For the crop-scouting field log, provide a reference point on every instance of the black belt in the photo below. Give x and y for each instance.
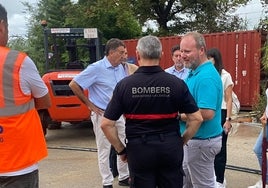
(148, 137)
(195, 138)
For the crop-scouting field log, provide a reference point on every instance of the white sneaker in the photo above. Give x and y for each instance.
(224, 182)
(220, 185)
(258, 185)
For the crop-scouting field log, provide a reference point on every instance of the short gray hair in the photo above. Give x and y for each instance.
(149, 47)
(199, 39)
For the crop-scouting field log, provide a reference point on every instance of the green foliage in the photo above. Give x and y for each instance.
(259, 107)
(180, 16)
(54, 12)
(214, 16)
(18, 43)
(114, 20)
(265, 57)
(262, 98)
(35, 36)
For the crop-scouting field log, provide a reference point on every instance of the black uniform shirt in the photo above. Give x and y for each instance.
(150, 99)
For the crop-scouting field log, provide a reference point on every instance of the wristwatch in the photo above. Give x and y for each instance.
(228, 119)
(124, 151)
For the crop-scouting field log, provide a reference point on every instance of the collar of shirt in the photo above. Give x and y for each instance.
(108, 65)
(179, 71)
(200, 67)
(149, 69)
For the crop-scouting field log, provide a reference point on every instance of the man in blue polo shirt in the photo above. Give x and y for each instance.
(205, 85)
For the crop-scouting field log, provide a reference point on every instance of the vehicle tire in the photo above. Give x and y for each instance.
(54, 125)
(45, 119)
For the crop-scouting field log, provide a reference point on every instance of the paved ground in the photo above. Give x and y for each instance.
(72, 160)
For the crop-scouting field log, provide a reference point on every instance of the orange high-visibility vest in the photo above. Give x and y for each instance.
(22, 142)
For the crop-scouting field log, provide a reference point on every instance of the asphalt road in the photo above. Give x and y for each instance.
(72, 159)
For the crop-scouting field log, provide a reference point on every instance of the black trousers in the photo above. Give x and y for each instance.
(221, 158)
(156, 161)
(113, 162)
(30, 180)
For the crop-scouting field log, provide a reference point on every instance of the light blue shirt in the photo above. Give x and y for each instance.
(100, 79)
(182, 74)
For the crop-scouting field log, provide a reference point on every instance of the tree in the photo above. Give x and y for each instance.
(210, 16)
(174, 16)
(112, 19)
(55, 12)
(260, 106)
(263, 23)
(18, 43)
(35, 36)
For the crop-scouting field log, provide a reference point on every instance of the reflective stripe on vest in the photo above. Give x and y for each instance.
(13, 101)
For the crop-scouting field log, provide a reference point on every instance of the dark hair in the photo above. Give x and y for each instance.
(175, 48)
(216, 54)
(113, 44)
(3, 13)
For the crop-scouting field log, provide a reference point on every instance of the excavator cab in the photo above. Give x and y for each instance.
(67, 52)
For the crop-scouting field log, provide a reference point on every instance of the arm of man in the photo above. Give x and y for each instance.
(42, 102)
(193, 122)
(228, 99)
(32, 84)
(263, 118)
(78, 91)
(207, 114)
(110, 131)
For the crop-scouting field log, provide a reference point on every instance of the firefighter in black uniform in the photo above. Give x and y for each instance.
(150, 99)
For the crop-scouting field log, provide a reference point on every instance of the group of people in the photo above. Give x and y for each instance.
(151, 129)
(166, 132)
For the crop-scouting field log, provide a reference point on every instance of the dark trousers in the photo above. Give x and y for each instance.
(156, 161)
(30, 180)
(221, 158)
(113, 161)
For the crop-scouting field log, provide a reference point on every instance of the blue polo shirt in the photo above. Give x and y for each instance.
(100, 79)
(205, 86)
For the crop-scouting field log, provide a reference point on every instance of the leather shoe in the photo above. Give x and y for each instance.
(108, 186)
(124, 182)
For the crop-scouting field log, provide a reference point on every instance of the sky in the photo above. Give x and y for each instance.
(18, 20)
